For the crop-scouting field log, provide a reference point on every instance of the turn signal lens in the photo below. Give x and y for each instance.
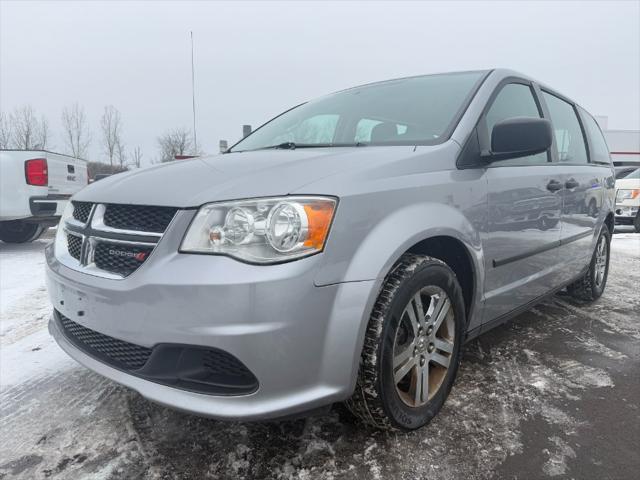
(319, 216)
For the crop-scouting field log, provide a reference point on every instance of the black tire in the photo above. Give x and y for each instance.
(589, 288)
(636, 223)
(17, 231)
(376, 400)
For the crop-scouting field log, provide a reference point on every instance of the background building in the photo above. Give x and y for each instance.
(624, 145)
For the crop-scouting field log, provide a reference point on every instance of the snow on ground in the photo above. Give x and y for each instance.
(552, 394)
(26, 350)
(627, 242)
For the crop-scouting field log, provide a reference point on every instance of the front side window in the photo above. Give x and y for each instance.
(515, 100)
(569, 139)
(600, 153)
(409, 111)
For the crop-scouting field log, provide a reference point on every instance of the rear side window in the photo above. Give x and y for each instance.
(569, 139)
(600, 150)
(515, 100)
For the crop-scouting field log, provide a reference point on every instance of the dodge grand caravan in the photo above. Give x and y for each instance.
(344, 251)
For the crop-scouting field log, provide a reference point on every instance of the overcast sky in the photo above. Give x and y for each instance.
(254, 60)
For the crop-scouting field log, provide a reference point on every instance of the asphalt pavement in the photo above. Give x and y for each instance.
(555, 393)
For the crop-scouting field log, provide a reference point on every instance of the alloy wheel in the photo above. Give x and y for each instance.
(423, 346)
(601, 260)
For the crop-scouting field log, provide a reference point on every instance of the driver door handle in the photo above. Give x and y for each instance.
(571, 183)
(554, 186)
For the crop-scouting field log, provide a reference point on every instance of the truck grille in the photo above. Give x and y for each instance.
(139, 217)
(74, 245)
(115, 352)
(81, 211)
(123, 259)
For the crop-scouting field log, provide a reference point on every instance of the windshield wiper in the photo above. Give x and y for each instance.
(293, 146)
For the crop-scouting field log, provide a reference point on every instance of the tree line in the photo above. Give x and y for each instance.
(23, 129)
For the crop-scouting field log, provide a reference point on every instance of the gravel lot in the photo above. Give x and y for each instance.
(554, 393)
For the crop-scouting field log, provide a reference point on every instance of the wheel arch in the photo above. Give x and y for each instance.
(609, 221)
(456, 255)
(439, 230)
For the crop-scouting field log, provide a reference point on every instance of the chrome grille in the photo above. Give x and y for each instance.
(120, 258)
(139, 217)
(81, 211)
(112, 240)
(74, 245)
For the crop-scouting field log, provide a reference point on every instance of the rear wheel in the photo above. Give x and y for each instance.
(412, 346)
(591, 286)
(17, 231)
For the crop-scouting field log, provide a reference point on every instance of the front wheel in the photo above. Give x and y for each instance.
(17, 231)
(636, 223)
(591, 286)
(412, 346)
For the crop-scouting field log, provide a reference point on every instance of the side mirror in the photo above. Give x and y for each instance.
(519, 137)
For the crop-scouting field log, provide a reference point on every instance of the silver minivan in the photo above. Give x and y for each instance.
(344, 251)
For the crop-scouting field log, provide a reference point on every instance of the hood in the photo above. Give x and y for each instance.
(191, 183)
(627, 183)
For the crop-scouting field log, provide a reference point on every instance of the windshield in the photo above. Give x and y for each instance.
(409, 111)
(623, 173)
(634, 174)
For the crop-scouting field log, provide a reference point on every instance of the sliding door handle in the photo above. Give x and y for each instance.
(571, 183)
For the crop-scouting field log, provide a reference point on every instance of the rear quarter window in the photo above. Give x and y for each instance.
(600, 150)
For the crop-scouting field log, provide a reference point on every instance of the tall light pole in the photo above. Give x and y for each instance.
(193, 98)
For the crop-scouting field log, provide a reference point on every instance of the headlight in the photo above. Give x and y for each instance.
(627, 194)
(60, 245)
(266, 230)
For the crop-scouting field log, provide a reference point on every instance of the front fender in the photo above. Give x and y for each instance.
(363, 252)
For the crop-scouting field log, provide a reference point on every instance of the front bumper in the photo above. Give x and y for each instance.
(301, 342)
(626, 213)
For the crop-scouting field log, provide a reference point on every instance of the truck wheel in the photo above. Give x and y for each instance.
(591, 285)
(17, 231)
(636, 222)
(412, 346)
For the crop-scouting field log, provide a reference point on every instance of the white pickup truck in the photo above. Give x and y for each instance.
(35, 186)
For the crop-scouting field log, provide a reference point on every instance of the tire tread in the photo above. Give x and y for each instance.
(365, 403)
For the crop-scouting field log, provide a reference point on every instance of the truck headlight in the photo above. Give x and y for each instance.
(627, 194)
(264, 230)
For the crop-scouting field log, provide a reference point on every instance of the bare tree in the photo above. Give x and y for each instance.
(43, 133)
(28, 132)
(121, 154)
(111, 126)
(76, 131)
(5, 131)
(175, 142)
(137, 157)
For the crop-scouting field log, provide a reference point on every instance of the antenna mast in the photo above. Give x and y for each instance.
(193, 98)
